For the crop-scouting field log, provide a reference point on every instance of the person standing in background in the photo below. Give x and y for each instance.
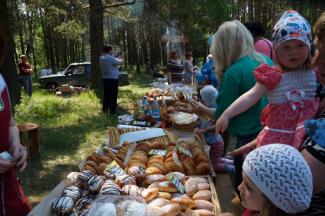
(46, 71)
(261, 44)
(109, 66)
(25, 74)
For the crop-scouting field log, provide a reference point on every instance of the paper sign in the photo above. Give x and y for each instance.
(175, 181)
(141, 135)
(157, 152)
(114, 169)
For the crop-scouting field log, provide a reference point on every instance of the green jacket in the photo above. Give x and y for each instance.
(238, 79)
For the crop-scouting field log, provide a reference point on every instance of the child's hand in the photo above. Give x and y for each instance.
(222, 123)
(199, 131)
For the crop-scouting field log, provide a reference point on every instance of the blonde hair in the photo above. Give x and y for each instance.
(231, 42)
(319, 27)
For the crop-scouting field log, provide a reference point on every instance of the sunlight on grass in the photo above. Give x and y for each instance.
(70, 129)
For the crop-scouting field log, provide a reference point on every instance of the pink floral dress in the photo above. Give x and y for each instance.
(292, 100)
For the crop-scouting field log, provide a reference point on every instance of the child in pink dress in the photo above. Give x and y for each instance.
(290, 86)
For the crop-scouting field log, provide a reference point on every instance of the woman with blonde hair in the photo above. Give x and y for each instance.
(236, 59)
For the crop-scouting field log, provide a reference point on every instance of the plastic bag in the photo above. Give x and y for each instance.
(113, 205)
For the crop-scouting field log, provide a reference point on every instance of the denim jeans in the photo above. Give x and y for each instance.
(26, 82)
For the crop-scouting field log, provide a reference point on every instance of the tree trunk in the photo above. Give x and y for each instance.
(96, 40)
(9, 66)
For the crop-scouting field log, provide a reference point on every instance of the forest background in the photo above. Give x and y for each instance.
(59, 32)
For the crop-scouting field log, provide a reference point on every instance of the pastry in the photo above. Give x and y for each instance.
(158, 202)
(164, 195)
(72, 192)
(85, 175)
(183, 202)
(167, 186)
(157, 146)
(203, 204)
(179, 195)
(94, 184)
(202, 168)
(89, 168)
(191, 185)
(204, 212)
(203, 186)
(63, 205)
(138, 173)
(202, 195)
(143, 146)
(154, 178)
(172, 209)
(132, 190)
(83, 205)
(149, 194)
(122, 180)
(109, 187)
(100, 169)
(155, 211)
(153, 170)
(154, 185)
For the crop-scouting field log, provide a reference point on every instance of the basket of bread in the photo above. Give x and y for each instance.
(182, 120)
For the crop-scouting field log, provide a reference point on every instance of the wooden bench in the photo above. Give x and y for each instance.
(33, 142)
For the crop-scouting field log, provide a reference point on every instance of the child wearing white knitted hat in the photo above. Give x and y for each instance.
(276, 181)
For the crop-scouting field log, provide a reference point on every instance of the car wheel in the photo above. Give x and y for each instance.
(52, 86)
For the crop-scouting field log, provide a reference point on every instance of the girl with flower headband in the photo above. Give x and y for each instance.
(290, 86)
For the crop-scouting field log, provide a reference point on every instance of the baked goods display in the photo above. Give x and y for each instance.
(156, 173)
(182, 120)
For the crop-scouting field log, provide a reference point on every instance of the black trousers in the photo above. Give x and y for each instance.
(110, 87)
(239, 160)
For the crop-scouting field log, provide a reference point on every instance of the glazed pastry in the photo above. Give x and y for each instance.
(183, 202)
(122, 180)
(167, 186)
(172, 209)
(153, 170)
(203, 204)
(63, 205)
(155, 178)
(150, 193)
(164, 195)
(202, 168)
(138, 173)
(204, 212)
(85, 175)
(94, 184)
(100, 169)
(203, 186)
(202, 195)
(155, 211)
(109, 187)
(158, 202)
(132, 190)
(191, 185)
(83, 205)
(179, 195)
(72, 192)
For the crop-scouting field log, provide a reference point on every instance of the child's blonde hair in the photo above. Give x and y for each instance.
(231, 42)
(319, 27)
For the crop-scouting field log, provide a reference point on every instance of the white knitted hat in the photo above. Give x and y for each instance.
(280, 172)
(209, 95)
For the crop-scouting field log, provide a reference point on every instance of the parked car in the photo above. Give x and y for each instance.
(76, 74)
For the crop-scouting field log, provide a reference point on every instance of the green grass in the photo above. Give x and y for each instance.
(70, 129)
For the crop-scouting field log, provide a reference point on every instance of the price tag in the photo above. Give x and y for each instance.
(175, 181)
(184, 151)
(157, 152)
(115, 169)
(175, 158)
